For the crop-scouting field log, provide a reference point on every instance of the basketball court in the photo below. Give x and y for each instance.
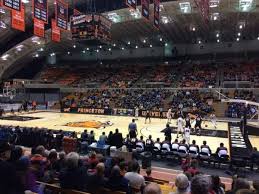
(105, 123)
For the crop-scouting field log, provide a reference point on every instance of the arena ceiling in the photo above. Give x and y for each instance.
(181, 22)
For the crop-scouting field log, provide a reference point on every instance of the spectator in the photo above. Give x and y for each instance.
(72, 177)
(200, 184)
(152, 188)
(109, 139)
(117, 139)
(216, 185)
(238, 183)
(84, 135)
(91, 138)
(9, 182)
(148, 177)
(182, 184)
(103, 137)
(193, 169)
(96, 180)
(116, 181)
(136, 181)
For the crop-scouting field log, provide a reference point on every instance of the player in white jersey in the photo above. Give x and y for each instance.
(180, 125)
(136, 113)
(187, 134)
(213, 120)
(169, 115)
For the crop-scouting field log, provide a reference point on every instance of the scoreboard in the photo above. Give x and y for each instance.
(90, 27)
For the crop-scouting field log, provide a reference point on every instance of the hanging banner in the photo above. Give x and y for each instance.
(62, 15)
(18, 19)
(203, 6)
(132, 3)
(39, 27)
(145, 8)
(13, 4)
(156, 13)
(55, 32)
(40, 10)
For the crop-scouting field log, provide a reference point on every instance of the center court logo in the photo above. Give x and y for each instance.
(89, 124)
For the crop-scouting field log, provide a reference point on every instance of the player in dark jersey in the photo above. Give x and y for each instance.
(148, 117)
(197, 126)
(188, 122)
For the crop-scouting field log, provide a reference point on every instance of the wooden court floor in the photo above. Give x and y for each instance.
(56, 120)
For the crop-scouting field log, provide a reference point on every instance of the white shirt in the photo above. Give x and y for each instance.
(165, 145)
(157, 145)
(169, 113)
(205, 150)
(222, 152)
(182, 148)
(187, 132)
(194, 149)
(175, 146)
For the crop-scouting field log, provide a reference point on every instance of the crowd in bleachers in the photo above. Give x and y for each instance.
(199, 76)
(236, 110)
(192, 100)
(47, 162)
(239, 72)
(153, 99)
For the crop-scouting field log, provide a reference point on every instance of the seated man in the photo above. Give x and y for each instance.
(221, 150)
(194, 147)
(175, 145)
(140, 144)
(166, 144)
(205, 148)
(157, 144)
(149, 143)
(183, 146)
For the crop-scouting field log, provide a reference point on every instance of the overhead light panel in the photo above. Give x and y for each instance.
(185, 7)
(19, 47)
(2, 11)
(214, 3)
(214, 16)
(135, 13)
(2, 25)
(4, 57)
(245, 5)
(114, 17)
(25, 1)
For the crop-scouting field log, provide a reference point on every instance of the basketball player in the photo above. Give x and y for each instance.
(197, 126)
(187, 134)
(169, 115)
(136, 113)
(180, 124)
(148, 116)
(213, 120)
(188, 122)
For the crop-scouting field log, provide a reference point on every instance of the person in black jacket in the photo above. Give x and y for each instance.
(168, 133)
(117, 139)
